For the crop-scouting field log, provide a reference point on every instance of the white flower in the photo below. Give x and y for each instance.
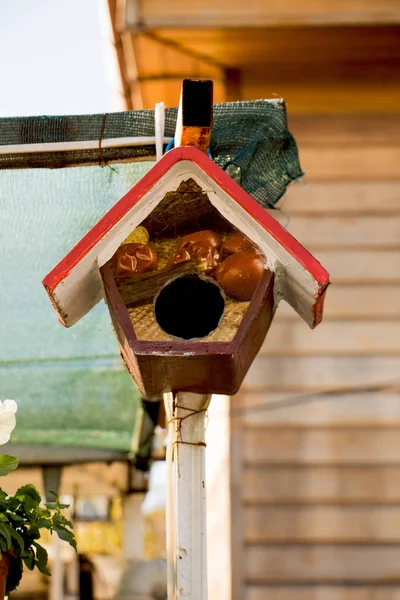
(8, 408)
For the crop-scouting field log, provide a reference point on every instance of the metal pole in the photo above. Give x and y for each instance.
(187, 549)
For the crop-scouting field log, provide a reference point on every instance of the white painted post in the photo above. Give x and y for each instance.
(133, 528)
(186, 544)
(57, 571)
(219, 564)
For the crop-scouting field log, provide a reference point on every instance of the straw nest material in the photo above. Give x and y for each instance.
(147, 328)
(181, 211)
(143, 318)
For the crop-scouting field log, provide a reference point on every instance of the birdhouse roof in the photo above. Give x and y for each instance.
(75, 285)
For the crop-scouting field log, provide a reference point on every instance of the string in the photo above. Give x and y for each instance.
(103, 126)
(102, 161)
(178, 420)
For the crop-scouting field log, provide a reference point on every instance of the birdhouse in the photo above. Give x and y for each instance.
(192, 270)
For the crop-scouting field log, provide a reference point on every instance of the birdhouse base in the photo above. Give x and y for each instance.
(210, 367)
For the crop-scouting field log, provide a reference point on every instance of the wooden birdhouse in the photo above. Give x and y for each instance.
(192, 269)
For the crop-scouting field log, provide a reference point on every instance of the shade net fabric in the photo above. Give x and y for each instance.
(70, 384)
(250, 140)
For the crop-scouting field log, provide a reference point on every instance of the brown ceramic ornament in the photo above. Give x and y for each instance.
(131, 259)
(236, 242)
(202, 247)
(203, 237)
(240, 274)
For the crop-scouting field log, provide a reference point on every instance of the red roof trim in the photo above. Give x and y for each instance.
(124, 205)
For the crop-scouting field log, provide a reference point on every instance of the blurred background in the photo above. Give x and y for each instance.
(314, 448)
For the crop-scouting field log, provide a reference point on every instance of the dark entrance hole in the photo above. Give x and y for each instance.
(189, 307)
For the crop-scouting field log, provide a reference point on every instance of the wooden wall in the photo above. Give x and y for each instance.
(316, 478)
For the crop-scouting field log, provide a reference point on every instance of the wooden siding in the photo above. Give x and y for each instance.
(258, 13)
(319, 514)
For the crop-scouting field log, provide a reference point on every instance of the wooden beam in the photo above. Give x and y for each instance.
(233, 78)
(347, 231)
(322, 524)
(342, 130)
(362, 95)
(336, 338)
(369, 267)
(355, 198)
(338, 485)
(297, 374)
(321, 446)
(289, 49)
(131, 70)
(351, 410)
(357, 303)
(112, 6)
(160, 67)
(321, 564)
(327, 592)
(258, 13)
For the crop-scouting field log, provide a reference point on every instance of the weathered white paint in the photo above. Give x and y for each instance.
(57, 571)
(219, 567)
(120, 142)
(187, 411)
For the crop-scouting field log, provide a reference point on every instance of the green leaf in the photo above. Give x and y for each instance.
(29, 496)
(29, 558)
(15, 518)
(5, 532)
(29, 491)
(44, 524)
(66, 536)
(42, 558)
(8, 464)
(62, 521)
(18, 538)
(34, 532)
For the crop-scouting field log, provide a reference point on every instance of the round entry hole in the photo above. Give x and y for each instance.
(189, 307)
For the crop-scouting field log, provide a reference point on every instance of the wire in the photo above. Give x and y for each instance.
(169, 145)
(307, 398)
(172, 142)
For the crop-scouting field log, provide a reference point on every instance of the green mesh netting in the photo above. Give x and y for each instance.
(250, 140)
(70, 384)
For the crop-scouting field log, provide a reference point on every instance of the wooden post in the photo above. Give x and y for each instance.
(133, 528)
(56, 591)
(186, 412)
(195, 115)
(186, 522)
